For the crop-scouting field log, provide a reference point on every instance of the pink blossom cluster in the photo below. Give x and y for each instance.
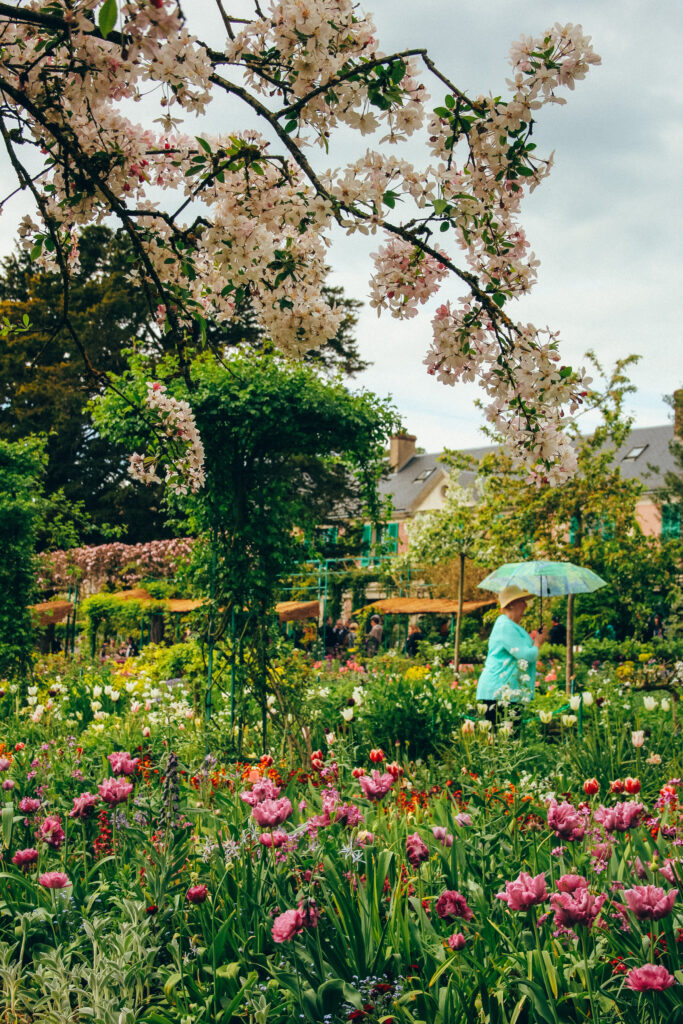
(112, 564)
(225, 218)
(175, 421)
(566, 821)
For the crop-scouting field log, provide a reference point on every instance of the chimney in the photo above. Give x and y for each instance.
(678, 415)
(401, 450)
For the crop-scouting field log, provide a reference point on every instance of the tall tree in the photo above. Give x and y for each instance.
(45, 384)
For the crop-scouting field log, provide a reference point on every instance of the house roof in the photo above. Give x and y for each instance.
(645, 456)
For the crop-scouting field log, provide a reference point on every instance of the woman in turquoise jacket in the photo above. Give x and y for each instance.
(509, 675)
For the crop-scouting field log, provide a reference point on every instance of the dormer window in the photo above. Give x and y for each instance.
(635, 452)
(423, 476)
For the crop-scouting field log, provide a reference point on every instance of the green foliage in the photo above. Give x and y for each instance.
(22, 468)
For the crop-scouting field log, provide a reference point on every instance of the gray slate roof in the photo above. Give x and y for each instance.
(409, 486)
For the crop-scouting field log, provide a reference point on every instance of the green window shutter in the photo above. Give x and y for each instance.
(573, 529)
(331, 534)
(671, 522)
(392, 538)
(365, 545)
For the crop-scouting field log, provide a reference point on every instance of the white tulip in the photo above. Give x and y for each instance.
(666, 704)
(568, 720)
(587, 699)
(649, 703)
(546, 717)
(575, 701)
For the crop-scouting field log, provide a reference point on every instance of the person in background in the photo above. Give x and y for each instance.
(352, 636)
(558, 632)
(340, 632)
(657, 627)
(509, 674)
(373, 639)
(328, 637)
(413, 639)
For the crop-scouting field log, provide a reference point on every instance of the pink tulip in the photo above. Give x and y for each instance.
(22, 858)
(287, 925)
(115, 791)
(453, 904)
(197, 893)
(525, 892)
(570, 883)
(83, 805)
(416, 850)
(375, 785)
(29, 804)
(54, 880)
(122, 763)
(272, 812)
(274, 839)
(444, 837)
(51, 831)
(264, 789)
(577, 907)
(5, 763)
(8, 783)
(620, 818)
(566, 821)
(649, 902)
(650, 978)
(457, 941)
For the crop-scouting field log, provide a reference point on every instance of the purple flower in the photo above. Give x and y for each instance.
(566, 821)
(416, 850)
(453, 904)
(376, 785)
(444, 837)
(525, 892)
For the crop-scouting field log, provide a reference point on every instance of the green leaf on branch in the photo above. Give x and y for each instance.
(106, 19)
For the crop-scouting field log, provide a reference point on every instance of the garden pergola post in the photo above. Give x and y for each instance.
(569, 667)
(458, 620)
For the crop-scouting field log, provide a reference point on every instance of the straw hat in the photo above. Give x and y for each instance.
(512, 593)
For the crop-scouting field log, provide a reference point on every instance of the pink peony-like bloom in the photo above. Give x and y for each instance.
(8, 783)
(376, 785)
(463, 819)
(54, 880)
(453, 904)
(416, 850)
(287, 925)
(525, 892)
(22, 858)
(272, 812)
(649, 902)
(51, 831)
(577, 907)
(122, 763)
(115, 791)
(197, 893)
(274, 839)
(83, 805)
(29, 804)
(456, 941)
(264, 789)
(671, 869)
(570, 883)
(566, 821)
(5, 763)
(620, 818)
(650, 978)
(444, 837)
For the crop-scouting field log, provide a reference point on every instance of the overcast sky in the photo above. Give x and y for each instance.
(606, 224)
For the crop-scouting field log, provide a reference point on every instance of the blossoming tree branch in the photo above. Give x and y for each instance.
(242, 219)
